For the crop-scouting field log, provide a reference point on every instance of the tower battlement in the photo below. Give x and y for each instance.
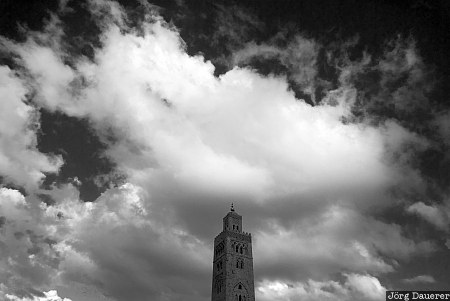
(235, 234)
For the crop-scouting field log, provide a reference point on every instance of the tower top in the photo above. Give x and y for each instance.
(232, 221)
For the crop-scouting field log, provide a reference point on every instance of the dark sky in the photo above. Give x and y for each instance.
(127, 128)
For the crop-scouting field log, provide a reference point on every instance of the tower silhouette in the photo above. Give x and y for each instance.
(233, 262)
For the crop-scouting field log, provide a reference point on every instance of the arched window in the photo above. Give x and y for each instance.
(240, 298)
(219, 265)
(237, 264)
(241, 250)
(240, 287)
(242, 264)
(218, 286)
(237, 248)
(219, 248)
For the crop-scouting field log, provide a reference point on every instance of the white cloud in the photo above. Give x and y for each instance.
(20, 162)
(356, 287)
(299, 57)
(107, 12)
(117, 244)
(340, 238)
(241, 132)
(368, 286)
(420, 279)
(439, 216)
(48, 296)
(29, 259)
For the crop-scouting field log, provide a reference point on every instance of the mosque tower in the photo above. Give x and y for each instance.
(233, 262)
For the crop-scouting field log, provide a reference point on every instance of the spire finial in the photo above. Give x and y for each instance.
(232, 207)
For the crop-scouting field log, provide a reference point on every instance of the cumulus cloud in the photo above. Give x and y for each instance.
(342, 238)
(48, 296)
(29, 257)
(72, 241)
(356, 287)
(20, 162)
(368, 286)
(149, 248)
(240, 131)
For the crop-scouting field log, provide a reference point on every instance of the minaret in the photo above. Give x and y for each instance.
(233, 262)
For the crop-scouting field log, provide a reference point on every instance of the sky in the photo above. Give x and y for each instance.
(128, 128)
